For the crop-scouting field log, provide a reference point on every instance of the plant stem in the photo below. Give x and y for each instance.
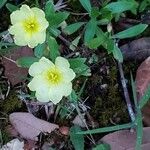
(126, 93)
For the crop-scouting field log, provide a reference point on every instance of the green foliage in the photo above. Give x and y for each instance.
(79, 66)
(86, 4)
(143, 5)
(11, 7)
(102, 147)
(39, 50)
(26, 62)
(76, 139)
(131, 32)
(2, 3)
(121, 6)
(73, 27)
(90, 30)
(53, 48)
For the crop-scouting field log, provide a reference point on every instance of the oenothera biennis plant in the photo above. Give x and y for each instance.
(51, 81)
(28, 26)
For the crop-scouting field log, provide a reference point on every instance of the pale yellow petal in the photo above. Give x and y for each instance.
(61, 62)
(36, 39)
(39, 67)
(17, 16)
(65, 88)
(38, 12)
(55, 95)
(68, 74)
(42, 94)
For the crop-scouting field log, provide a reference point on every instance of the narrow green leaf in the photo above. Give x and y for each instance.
(2, 3)
(53, 48)
(102, 147)
(139, 130)
(108, 129)
(54, 31)
(26, 62)
(11, 7)
(131, 32)
(117, 53)
(134, 91)
(77, 140)
(120, 6)
(86, 4)
(39, 50)
(73, 27)
(145, 98)
(90, 30)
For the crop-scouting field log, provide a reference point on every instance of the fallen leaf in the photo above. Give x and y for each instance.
(15, 144)
(142, 83)
(14, 73)
(28, 126)
(125, 139)
(137, 49)
(143, 77)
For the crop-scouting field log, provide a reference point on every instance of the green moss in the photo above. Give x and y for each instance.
(107, 104)
(11, 103)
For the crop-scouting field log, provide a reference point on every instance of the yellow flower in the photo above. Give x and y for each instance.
(28, 26)
(51, 81)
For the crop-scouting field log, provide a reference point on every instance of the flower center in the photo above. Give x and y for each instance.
(54, 76)
(31, 25)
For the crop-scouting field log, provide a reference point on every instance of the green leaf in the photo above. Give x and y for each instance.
(102, 147)
(134, 91)
(86, 4)
(96, 42)
(11, 7)
(90, 30)
(108, 129)
(131, 32)
(117, 53)
(26, 62)
(120, 6)
(73, 97)
(73, 27)
(49, 9)
(2, 3)
(39, 50)
(145, 98)
(53, 48)
(79, 66)
(57, 18)
(143, 5)
(77, 140)
(139, 130)
(75, 43)
(95, 12)
(54, 31)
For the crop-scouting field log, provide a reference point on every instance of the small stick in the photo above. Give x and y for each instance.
(126, 93)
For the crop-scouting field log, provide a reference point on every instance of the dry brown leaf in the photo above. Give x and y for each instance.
(125, 139)
(28, 126)
(143, 77)
(136, 50)
(14, 73)
(142, 83)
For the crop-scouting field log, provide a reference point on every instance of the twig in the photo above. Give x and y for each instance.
(9, 59)
(68, 43)
(126, 93)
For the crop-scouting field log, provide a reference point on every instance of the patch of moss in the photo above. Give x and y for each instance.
(107, 103)
(11, 103)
